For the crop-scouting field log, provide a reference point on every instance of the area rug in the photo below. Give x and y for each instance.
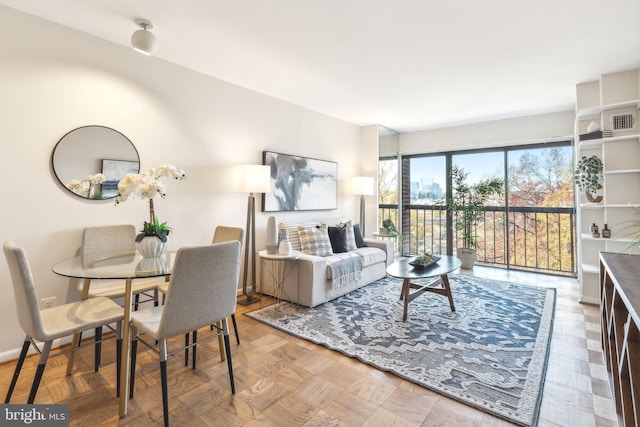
(491, 353)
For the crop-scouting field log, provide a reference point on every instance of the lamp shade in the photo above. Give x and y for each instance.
(362, 185)
(251, 179)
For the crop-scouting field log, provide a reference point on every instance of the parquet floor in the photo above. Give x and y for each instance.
(285, 381)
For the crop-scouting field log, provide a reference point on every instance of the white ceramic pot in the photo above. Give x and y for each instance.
(152, 247)
(284, 248)
(467, 258)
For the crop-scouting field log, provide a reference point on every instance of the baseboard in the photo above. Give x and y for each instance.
(9, 355)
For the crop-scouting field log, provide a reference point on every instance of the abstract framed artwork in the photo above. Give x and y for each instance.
(114, 171)
(300, 183)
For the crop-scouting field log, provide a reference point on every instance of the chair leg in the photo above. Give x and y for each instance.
(44, 356)
(163, 378)
(136, 301)
(16, 374)
(194, 339)
(235, 327)
(98, 349)
(186, 349)
(156, 298)
(134, 354)
(165, 392)
(118, 356)
(229, 364)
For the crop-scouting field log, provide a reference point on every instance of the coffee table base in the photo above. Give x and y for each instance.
(407, 296)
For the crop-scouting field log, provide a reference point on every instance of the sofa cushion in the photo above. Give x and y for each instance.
(358, 236)
(294, 237)
(351, 238)
(315, 241)
(338, 238)
(370, 256)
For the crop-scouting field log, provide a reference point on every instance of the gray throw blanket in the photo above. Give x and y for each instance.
(345, 271)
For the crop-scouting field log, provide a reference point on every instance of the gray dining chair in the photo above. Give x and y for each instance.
(103, 241)
(202, 292)
(56, 322)
(221, 234)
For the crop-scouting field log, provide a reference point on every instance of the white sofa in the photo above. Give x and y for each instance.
(308, 280)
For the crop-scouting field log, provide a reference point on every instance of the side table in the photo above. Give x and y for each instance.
(276, 265)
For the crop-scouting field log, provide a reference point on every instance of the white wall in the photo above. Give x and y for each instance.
(522, 130)
(54, 79)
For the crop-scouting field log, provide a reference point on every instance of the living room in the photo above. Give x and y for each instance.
(55, 79)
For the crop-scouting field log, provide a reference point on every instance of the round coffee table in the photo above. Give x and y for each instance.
(439, 271)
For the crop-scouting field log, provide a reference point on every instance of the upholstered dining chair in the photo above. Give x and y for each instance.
(102, 241)
(56, 322)
(202, 292)
(222, 233)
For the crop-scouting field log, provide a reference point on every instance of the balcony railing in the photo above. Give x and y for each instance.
(524, 238)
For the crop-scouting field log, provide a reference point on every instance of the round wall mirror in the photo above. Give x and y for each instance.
(84, 153)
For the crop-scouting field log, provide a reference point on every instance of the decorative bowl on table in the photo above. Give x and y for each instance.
(424, 261)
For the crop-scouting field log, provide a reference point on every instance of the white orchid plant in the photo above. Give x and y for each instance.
(87, 187)
(147, 185)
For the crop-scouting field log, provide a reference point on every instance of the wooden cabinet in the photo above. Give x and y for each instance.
(619, 308)
(600, 104)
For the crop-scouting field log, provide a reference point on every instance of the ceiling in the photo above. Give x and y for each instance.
(405, 64)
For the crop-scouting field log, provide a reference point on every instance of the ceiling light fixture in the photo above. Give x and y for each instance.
(142, 40)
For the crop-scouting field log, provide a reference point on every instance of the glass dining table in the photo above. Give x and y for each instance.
(127, 266)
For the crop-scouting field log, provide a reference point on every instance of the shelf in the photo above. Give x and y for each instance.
(621, 171)
(590, 269)
(592, 143)
(593, 112)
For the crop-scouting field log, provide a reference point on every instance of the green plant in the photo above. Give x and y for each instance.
(467, 203)
(159, 229)
(632, 228)
(588, 174)
(391, 228)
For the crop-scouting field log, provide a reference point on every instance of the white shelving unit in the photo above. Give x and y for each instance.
(596, 101)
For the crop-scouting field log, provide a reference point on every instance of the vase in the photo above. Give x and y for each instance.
(152, 247)
(283, 234)
(284, 248)
(272, 235)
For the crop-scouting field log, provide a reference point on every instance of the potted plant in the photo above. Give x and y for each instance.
(388, 225)
(152, 240)
(467, 205)
(588, 176)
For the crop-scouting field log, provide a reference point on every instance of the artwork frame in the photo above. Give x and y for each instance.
(113, 171)
(300, 183)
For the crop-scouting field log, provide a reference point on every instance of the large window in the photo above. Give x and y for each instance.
(531, 227)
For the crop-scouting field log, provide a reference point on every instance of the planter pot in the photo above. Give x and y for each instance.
(152, 247)
(467, 257)
(594, 198)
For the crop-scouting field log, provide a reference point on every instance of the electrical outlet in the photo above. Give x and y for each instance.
(48, 302)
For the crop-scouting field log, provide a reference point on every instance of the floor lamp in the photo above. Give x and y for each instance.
(251, 179)
(362, 186)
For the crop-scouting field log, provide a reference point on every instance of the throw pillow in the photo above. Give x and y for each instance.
(315, 241)
(358, 236)
(338, 238)
(351, 238)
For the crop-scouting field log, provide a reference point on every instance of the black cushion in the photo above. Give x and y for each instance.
(358, 234)
(338, 238)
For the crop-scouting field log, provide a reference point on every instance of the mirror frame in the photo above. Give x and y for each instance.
(73, 159)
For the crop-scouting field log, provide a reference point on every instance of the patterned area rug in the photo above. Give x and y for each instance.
(491, 353)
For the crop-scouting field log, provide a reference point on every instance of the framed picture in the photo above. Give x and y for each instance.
(300, 183)
(114, 171)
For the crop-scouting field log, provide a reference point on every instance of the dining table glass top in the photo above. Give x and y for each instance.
(124, 265)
